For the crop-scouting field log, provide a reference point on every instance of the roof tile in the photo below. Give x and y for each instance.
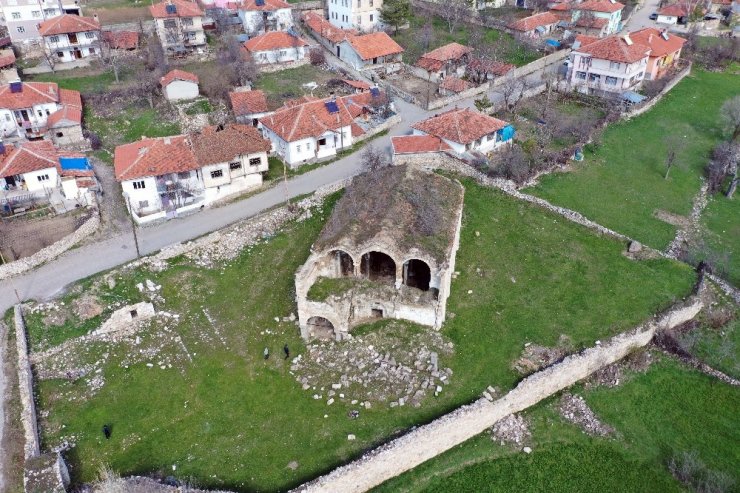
(417, 144)
(183, 8)
(463, 126)
(68, 23)
(248, 102)
(274, 40)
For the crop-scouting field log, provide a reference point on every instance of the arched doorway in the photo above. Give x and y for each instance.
(321, 328)
(345, 266)
(417, 274)
(378, 266)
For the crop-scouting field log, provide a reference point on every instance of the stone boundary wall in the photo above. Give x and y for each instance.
(31, 447)
(400, 93)
(676, 79)
(277, 67)
(469, 93)
(390, 122)
(428, 441)
(52, 251)
(537, 65)
(310, 5)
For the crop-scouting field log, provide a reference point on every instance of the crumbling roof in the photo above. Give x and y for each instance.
(592, 23)
(660, 42)
(674, 10)
(27, 157)
(615, 49)
(534, 21)
(7, 58)
(154, 157)
(121, 40)
(418, 144)
(183, 8)
(248, 102)
(66, 116)
(357, 84)
(307, 119)
(69, 97)
(435, 59)
(68, 23)
(325, 29)
(274, 40)
(218, 145)
(463, 126)
(407, 209)
(177, 74)
(456, 85)
(605, 6)
(584, 40)
(490, 66)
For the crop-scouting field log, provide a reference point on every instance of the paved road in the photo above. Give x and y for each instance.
(641, 17)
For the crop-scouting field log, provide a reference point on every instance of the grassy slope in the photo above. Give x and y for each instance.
(666, 411)
(622, 184)
(721, 221)
(246, 419)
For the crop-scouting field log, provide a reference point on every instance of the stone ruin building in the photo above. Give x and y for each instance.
(387, 251)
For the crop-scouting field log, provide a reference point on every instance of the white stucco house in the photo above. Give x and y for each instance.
(166, 176)
(259, 16)
(355, 14)
(309, 130)
(276, 47)
(466, 130)
(25, 108)
(178, 85)
(179, 25)
(22, 17)
(593, 17)
(71, 37)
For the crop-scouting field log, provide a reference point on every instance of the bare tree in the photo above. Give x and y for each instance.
(317, 56)
(115, 59)
(237, 63)
(146, 85)
(730, 115)
(513, 163)
(454, 12)
(676, 143)
(156, 57)
(512, 90)
(539, 5)
(373, 159)
(426, 36)
(724, 163)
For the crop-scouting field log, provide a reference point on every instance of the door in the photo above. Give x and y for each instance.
(77, 54)
(72, 38)
(24, 115)
(337, 51)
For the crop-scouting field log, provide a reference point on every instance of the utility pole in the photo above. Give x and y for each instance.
(10, 279)
(133, 225)
(285, 184)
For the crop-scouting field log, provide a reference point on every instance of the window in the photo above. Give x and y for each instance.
(371, 3)
(138, 185)
(184, 175)
(90, 35)
(53, 39)
(298, 148)
(21, 29)
(170, 24)
(41, 113)
(359, 4)
(143, 204)
(263, 56)
(187, 21)
(50, 12)
(613, 65)
(42, 177)
(612, 81)
(60, 54)
(217, 174)
(372, 18)
(36, 13)
(92, 51)
(283, 53)
(255, 161)
(16, 15)
(594, 77)
(236, 165)
(59, 134)
(7, 117)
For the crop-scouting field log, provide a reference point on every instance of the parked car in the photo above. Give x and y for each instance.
(654, 16)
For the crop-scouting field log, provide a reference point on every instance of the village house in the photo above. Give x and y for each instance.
(356, 86)
(179, 25)
(675, 13)
(593, 17)
(121, 40)
(328, 35)
(448, 60)
(665, 50)
(22, 17)
(404, 146)
(265, 15)
(609, 66)
(370, 51)
(25, 108)
(309, 130)
(166, 176)
(178, 85)
(71, 37)
(8, 69)
(481, 70)
(536, 25)
(276, 47)
(355, 14)
(248, 106)
(465, 130)
(454, 85)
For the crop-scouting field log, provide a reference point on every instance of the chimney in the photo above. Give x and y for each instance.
(167, 141)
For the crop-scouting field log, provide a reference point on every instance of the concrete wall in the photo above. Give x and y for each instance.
(70, 136)
(181, 89)
(282, 66)
(284, 55)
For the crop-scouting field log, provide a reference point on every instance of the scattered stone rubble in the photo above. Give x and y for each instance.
(378, 367)
(574, 409)
(535, 357)
(511, 430)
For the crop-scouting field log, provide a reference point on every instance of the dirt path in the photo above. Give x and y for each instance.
(690, 231)
(4, 457)
(114, 219)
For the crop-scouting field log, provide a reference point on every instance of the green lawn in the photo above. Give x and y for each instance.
(510, 50)
(86, 80)
(231, 419)
(721, 228)
(657, 415)
(288, 84)
(622, 184)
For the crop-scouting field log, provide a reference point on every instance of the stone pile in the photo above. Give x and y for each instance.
(574, 409)
(512, 430)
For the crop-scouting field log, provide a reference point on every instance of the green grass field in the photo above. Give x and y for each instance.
(664, 412)
(621, 185)
(288, 84)
(721, 228)
(231, 419)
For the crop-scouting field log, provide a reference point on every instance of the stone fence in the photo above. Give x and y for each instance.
(428, 441)
(468, 93)
(676, 79)
(52, 251)
(394, 120)
(277, 67)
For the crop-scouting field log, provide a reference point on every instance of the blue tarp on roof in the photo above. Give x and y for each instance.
(80, 163)
(506, 133)
(553, 42)
(633, 97)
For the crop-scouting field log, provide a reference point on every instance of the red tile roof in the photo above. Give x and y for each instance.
(615, 49)
(309, 119)
(373, 45)
(592, 23)
(418, 144)
(456, 85)
(653, 39)
(154, 157)
(177, 74)
(32, 93)
(534, 21)
(248, 102)
(451, 51)
(674, 10)
(121, 40)
(490, 66)
(357, 84)
(599, 6)
(561, 7)
(460, 125)
(356, 130)
(28, 157)
(274, 40)
(585, 39)
(64, 117)
(325, 29)
(68, 97)
(357, 103)
(68, 23)
(183, 8)
(213, 146)
(267, 5)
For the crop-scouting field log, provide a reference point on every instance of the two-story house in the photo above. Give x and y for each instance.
(165, 176)
(70, 37)
(463, 130)
(25, 108)
(355, 14)
(22, 17)
(665, 50)
(179, 25)
(276, 47)
(265, 15)
(594, 17)
(608, 66)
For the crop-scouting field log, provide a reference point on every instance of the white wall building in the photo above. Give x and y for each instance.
(466, 130)
(26, 106)
(259, 16)
(358, 14)
(276, 47)
(178, 85)
(610, 65)
(22, 17)
(71, 37)
(179, 25)
(370, 50)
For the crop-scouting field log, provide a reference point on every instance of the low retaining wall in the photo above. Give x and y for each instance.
(52, 251)
(535, 66)
(676, 79)
(277, 67)
(31, 447)
(441, 435)
(394, 120)
(469, 93)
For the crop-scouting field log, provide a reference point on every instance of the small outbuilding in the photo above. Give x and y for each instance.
(179, 85)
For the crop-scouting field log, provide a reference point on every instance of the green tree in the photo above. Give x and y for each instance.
(395, 13)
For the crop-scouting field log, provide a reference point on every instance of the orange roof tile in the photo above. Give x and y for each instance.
(32, 93)
(451, 51)
(592, 23)
(28, 157)
(177, 74)
(154, 157)
(69, 97)
(584, 39)
(183, 8)
(325, 29)
(64, 117)
(213, 145)
(418, 144)
(121, 40)
(309, 119)
(674, 10)
(248, 102)
(267, 5)
(274, 40)
(534, 21)
(357, 84)
(653, 39)
(68, 23)
(456, 85)
(561, 7)
(615, 49)
(605, 6)
(373, 45)
(460, 125)
(357, 103)
(356, 130)
(490, 66)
